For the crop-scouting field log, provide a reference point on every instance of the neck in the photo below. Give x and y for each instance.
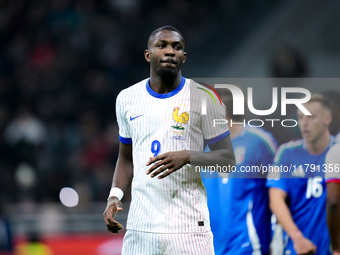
(235, 130)
(164, 85)
(320, 145)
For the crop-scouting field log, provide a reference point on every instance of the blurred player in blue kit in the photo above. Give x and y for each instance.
(239, 204)
(298, 197)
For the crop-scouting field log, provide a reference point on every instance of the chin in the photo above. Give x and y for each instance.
(168, 73)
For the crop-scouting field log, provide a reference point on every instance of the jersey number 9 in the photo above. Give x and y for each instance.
(155, 147)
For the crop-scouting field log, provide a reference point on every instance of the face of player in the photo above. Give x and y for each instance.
(312, 127)
(166, 53)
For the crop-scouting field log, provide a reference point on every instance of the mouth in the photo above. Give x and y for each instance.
(305, 133)
(169, 61)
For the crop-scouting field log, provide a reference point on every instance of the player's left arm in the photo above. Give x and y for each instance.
(221, 153)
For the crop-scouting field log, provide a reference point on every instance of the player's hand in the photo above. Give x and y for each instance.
(167, 163)
(112, 207)
(302, 245)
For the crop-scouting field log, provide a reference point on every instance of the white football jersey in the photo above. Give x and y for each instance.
(337, 138)
(158, 123)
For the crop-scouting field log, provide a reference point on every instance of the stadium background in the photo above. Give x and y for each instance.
(62, 63)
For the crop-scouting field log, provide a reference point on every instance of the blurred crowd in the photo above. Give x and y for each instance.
(62, 63)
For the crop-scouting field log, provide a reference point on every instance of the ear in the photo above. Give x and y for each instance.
(328, 118)
(185, 56)
(147, 55)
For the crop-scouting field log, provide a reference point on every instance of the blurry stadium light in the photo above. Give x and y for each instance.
(25, 175)
(68, 197)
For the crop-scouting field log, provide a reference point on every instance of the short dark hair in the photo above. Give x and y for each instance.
(168, 28)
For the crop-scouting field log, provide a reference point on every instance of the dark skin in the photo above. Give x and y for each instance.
(333, 212)
(121, 179)
(164, 164)
(165, 54)
(166, 51)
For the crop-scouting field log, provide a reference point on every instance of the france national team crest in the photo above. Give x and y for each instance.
(181, 120)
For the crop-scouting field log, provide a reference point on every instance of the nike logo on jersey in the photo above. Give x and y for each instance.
(132, 118)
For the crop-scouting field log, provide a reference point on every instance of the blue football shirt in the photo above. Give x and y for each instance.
(238, 206)
(305, 186)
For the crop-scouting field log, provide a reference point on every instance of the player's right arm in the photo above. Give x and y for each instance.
(333, 197)
(122, 179)
(278, 205)
(333, 212)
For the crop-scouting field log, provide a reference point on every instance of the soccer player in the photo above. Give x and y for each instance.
(239, 205)
(332, 176)
(298, 196)
(162, 131)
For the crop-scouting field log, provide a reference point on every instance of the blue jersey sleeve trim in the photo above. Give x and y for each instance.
(167, 95)
(218, 138)
(277, 187)
(125, 140)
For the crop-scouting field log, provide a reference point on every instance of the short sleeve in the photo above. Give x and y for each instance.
(213, 123)
(280, 183)
(274, 179)
(124, 128)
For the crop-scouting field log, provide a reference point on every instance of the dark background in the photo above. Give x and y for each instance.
(63, 62)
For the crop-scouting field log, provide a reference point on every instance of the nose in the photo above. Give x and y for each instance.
(169, 51)
(304, 122)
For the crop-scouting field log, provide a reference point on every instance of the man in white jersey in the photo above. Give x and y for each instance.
(333, 196)
(162, 131)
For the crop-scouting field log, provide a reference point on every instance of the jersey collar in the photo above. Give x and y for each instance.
(331, 143)
(167, 95)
